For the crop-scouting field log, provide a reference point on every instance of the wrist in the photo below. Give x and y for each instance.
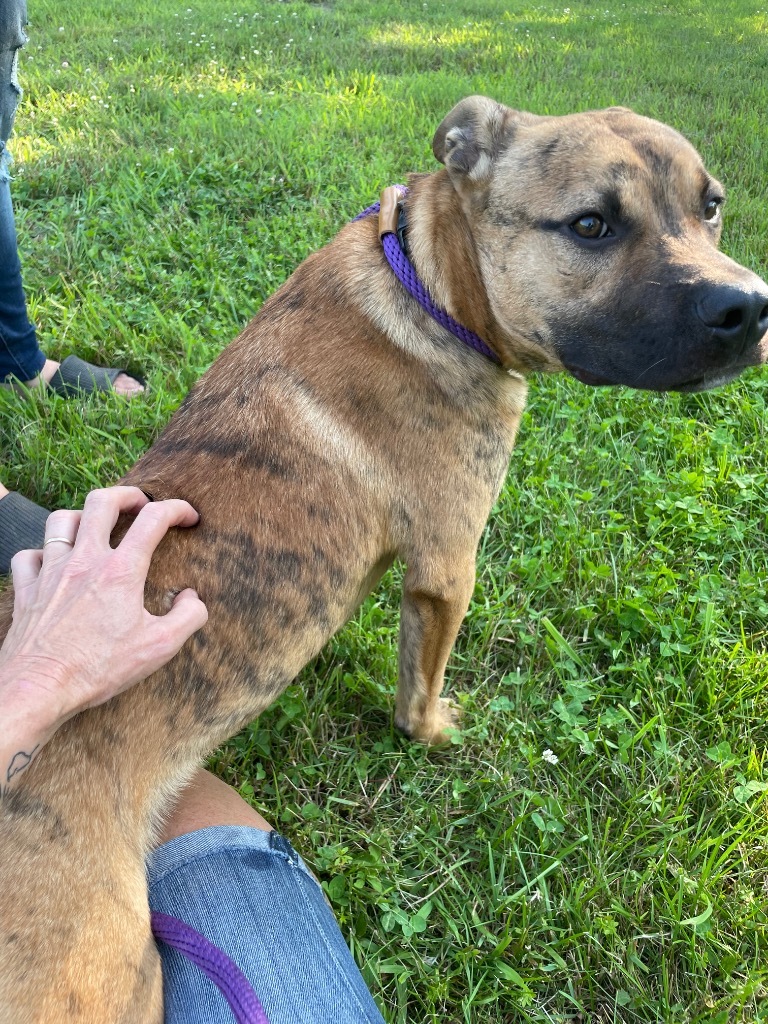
(31, 701)
(28, 718)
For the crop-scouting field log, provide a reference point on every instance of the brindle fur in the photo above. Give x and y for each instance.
(341, 430)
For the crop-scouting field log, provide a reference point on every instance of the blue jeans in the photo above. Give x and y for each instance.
(249, 893)
(20, 354)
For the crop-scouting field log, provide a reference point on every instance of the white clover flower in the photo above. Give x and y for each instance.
(550, 757)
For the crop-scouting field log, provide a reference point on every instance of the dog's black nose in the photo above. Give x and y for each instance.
(736, 314)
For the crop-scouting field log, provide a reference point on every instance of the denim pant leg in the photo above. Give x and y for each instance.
(20, 354)
(249, 893)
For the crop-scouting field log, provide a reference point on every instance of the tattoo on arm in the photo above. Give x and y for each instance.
(19, 762)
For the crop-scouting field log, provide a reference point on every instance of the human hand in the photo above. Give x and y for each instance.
(80, 631)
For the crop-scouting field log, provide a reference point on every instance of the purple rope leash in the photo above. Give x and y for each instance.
(406, 274)
(213, 962)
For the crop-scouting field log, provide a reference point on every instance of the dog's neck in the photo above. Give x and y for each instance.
(443, 252)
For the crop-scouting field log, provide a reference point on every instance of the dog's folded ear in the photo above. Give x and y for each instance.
(473, 135)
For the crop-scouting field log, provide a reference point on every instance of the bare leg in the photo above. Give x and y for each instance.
(208, 801)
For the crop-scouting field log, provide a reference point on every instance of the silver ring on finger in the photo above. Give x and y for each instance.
(61, 528)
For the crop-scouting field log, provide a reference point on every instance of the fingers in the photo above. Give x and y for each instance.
(187, 615)
(153, 520)
(25, 566)
(102, 509)
(150, 526)
(60, 532)
(61, 527)
(188, 611)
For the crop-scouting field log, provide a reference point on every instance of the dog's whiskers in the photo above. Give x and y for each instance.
(648, 370)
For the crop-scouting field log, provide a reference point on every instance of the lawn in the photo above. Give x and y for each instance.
(595, 846)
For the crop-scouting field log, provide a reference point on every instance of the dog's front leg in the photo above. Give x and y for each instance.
(434, 603)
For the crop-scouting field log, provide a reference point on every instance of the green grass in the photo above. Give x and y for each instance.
(169, 177)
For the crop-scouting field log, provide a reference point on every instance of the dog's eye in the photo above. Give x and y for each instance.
(712, 209)
(591, 225)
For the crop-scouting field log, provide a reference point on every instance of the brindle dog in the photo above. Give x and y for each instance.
(343, 429)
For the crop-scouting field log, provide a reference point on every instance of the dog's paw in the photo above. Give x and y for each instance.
(435, 730)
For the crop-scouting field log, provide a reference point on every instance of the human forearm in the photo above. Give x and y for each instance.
(80, 633)
(28, 718)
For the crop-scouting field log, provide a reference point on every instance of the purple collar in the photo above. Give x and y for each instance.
(222, 971)
(406, 274)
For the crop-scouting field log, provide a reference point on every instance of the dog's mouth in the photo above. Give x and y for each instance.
(587, 377)
(708, 383)
(704, 383)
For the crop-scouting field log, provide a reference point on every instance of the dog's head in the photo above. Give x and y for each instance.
(597, 237)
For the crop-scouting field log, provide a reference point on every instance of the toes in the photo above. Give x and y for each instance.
(127, 386)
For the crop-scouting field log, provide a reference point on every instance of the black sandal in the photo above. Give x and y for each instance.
(22, 525)
(77, 377)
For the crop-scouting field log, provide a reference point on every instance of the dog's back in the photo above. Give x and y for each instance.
(309, 449)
